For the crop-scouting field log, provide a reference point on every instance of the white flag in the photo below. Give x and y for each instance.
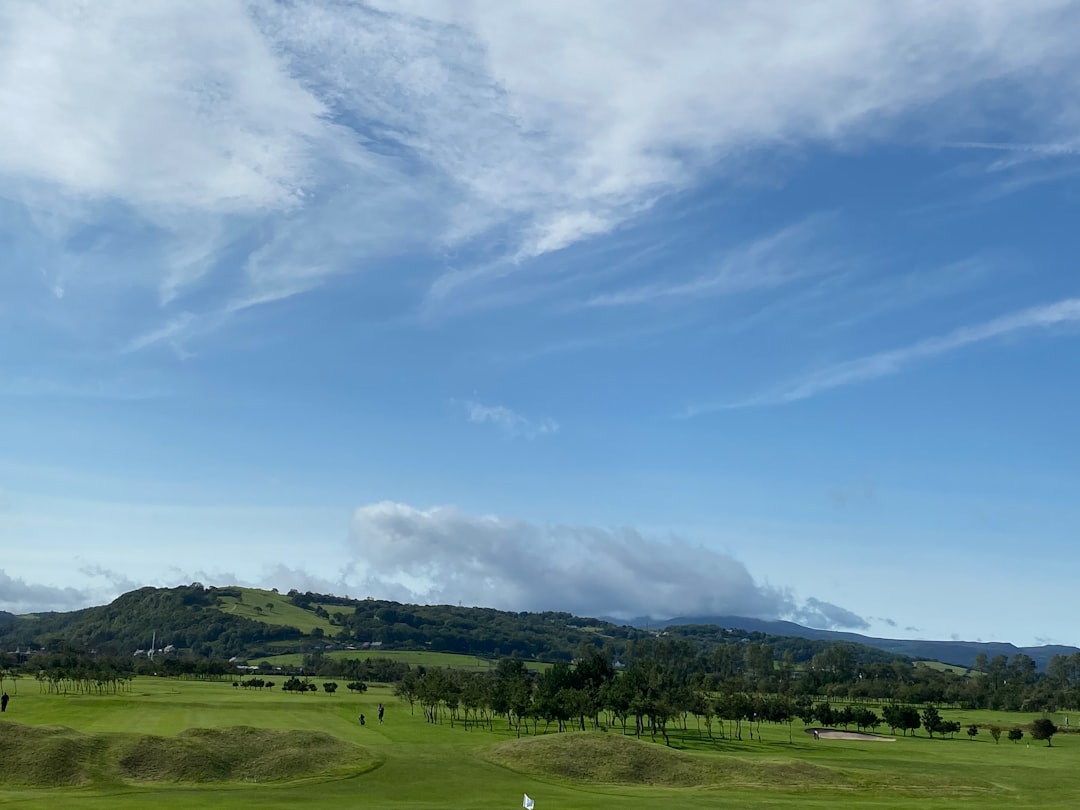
(528, 804)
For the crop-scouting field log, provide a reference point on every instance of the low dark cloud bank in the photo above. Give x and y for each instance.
(444, 555)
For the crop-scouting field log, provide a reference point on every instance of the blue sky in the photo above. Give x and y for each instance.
(756, 309)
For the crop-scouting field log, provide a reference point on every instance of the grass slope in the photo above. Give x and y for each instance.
(273, 608)
(50, 756)
(615, 759)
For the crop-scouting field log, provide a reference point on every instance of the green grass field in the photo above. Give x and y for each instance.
(941, 667)
(408, 764)
(273, 608)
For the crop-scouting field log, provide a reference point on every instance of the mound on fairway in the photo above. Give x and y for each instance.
(615, 759)
(56, 755)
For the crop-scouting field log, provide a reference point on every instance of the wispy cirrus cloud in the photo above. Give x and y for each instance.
(1019, 166)
(884, 364)
(220, 155)
(508, 421)
(170, 332)
(1061, 149)
(767, 262)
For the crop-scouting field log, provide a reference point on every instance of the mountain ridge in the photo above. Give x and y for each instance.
(955, 652)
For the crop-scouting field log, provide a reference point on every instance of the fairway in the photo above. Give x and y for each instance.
(414, 764)
(414, 658)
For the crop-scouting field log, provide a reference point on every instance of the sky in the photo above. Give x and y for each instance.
(764, 309)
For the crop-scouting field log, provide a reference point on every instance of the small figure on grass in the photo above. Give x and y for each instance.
(381, 710)
(362, 720)
(4, 702)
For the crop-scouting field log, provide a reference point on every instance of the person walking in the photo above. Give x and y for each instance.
(381, 710)
(4, 702)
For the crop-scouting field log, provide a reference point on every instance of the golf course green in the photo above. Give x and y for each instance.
(184, 743)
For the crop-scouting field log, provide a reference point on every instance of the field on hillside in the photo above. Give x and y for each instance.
(273, 608)
(409, 764)
(942, 667)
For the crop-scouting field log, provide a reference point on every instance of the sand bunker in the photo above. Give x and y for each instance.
(833, 734)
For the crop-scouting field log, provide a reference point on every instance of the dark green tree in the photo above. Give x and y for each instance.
(931, 720)
(1043, 729)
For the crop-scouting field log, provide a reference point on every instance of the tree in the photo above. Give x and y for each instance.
(972, 730)
(1016, 734)
(866, 718)
(825, 714)
(360, 686)
(1043, 729)
(893, 716)
(329, 687)
(995, 732)
(910, 720)
(931, 720)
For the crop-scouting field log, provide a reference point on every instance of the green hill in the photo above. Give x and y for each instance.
(221, 623)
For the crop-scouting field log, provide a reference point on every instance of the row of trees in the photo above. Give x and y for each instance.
(649, 696)
(659, 687)
(836, 673)
(71, 673)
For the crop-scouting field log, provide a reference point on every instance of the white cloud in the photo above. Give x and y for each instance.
(884, 364)
(162, 106)
(444, 555)
(614, 104)
(510, 422)
(19, 596)
(304, 140)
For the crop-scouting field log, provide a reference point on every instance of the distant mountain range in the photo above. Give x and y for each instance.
(957, 653)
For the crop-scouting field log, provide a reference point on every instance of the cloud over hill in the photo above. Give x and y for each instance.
(446, 555)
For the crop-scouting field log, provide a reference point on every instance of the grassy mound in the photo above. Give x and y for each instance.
(615, 759)
(49, 756)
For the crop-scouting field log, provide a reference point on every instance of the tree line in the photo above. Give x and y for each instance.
(664, 686)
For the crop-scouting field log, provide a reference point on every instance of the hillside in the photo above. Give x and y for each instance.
(234, 621)
(247, 622)
(958, 653)
(188, 617)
